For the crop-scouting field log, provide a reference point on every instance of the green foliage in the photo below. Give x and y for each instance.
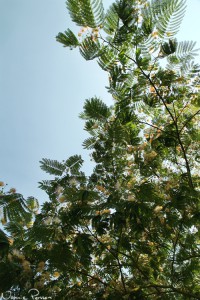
(170, 47)
(4, 244)
(130, 229)
(169, 15)
(68, 39)
(74, 164)
(14, 207)
(8, 275)
(95, 109)
(111, 20)
(52, 167)
(86, 12)
(89, 48)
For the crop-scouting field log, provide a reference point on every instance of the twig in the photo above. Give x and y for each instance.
(183, 109)
(188, 121)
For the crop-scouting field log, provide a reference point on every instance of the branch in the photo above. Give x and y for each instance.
(198, 111)
(119, 264)
(173, 289)
(174, 254)
(154, 126)
(115, 256)
(168, 110)
(185, 157)
(183, 109)
(88, 275)
(111, 250)
(146, 76)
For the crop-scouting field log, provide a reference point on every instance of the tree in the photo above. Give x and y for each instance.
(130, 229)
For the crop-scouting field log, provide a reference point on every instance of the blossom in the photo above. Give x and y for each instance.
(158, 208)
(62, 198)
(48, 221)
(56, 274)
(12, 190)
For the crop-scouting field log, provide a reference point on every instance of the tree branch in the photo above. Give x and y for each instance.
(168, 110)
(188, 121)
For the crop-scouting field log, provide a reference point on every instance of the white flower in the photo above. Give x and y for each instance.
(73, 181)
(48, 221)
(56, 220)
(193, 230)
(59, 190)
(117, 185)
(157, 209)
(62, 198)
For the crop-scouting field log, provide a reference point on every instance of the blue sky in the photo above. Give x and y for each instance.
(43, 87)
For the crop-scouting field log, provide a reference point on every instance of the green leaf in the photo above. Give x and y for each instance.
(74, 164)
(169, 15)
(89, 143)
(4, 244)
(86, 12)
(95, 108)
(90, 48)
(68, 39)
(111, 20)
(9, 274)
(169, 47)
(15, 208)
(185, 50)
(53, 167)
(107, 59)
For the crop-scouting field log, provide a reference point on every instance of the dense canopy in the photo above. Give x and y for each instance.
(130, 229)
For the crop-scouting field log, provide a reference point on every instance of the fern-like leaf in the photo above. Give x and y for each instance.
(15, 208)
(15, 229)
(40, 232)
(74, 163)
(86, 12)
(181, 59)
(53, 167)
(89, 143)
(185, 50)
(107, 59)
(169, 16)
(169, 47)
(189, 67)
(111, 20)
(32, 204)
(68, 39)
(90, 48)
(47, 185)
(148, 22)
(90, 125)
(95, 108)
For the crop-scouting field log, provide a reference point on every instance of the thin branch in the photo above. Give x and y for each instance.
(173, 289)
(88, 275)
(183, 109)
(188, 121)
(119, 263)
(168, 110)
(154, 126)
(174, 254)
(147, 77)
(185, 157)
(183, 150)
(174, 111)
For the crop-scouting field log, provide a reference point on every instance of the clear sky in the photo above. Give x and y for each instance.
(43, 87)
